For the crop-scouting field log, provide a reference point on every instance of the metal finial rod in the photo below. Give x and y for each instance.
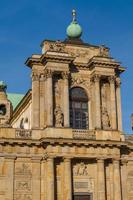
(74, 14)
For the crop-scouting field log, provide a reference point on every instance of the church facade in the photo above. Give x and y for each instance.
(64, 139)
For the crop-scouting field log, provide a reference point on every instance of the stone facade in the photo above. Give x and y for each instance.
(42, 157)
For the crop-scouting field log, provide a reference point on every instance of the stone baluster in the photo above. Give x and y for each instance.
(113, 102)
(49, 92)
(117, 183)
(118, 100)
(97, 102)
(50, 179)
(35, 101)
(67, 179)
(65, 76)
(100, 179)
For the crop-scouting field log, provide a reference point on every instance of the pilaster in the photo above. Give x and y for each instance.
(117, 182)
(100, 179)
(118, 101)
(65, 76)
(113, 102)
(67, 179)
(49, 92)
(96, 80)
(35, 100)
(50, 179)
(36, 178)
(9, 174)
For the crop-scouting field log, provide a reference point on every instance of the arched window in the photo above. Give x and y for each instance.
(78, 108)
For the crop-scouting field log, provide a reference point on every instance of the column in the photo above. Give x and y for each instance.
(67, 179)
(50, 179)
(117, 183)
(36, 178)
(124, 178)
(65, 76)
(113, 102)
(9, 176)
(49, 98)
(118, 100)
(100, 179)
(97, 102)
(35, 101)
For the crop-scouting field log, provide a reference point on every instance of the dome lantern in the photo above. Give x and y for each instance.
(74, 30)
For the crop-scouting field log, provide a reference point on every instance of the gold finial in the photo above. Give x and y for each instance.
(74, 14)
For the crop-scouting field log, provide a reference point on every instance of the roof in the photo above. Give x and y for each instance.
(15, 98)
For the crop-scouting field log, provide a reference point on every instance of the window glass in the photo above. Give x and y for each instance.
(78, 109)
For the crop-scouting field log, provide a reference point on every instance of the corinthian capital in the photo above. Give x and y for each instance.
(48, 73)
(65, 75)
(118, 81)
(35, 76)
(96, 78)
(111, 79)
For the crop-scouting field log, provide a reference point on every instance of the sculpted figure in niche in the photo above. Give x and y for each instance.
(58, 117)
(105, 119)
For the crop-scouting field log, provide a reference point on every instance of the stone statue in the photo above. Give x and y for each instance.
(105, 119)
(58, 117)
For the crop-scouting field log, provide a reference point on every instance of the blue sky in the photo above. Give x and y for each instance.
(25, 23)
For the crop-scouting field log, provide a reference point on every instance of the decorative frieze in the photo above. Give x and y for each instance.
(79, 81)
(57, 46)
(23, 134)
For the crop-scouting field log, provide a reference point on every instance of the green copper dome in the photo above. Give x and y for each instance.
(74, 30)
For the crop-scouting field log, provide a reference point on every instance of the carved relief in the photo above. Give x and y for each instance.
(78, 52)
(79, 81)
(80, 170)
(57, 46)
(58, 117)
(23, 170)
(23, 185)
